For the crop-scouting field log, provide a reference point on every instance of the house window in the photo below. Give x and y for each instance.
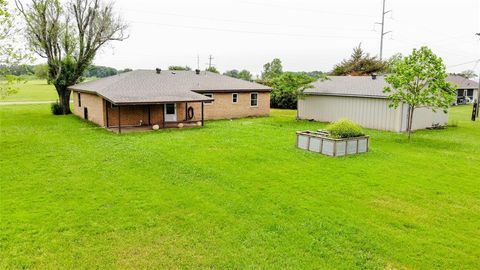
(253, 99)
(210, 95)
(234, 98)
(79, 98)
(170, 108)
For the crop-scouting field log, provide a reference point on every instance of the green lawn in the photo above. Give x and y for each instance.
(234, 194)
(34, 90)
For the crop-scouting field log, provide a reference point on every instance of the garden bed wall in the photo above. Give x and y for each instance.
(314, 142)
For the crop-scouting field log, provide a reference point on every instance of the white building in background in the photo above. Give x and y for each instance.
(361, 99)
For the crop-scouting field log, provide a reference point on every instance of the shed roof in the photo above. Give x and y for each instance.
(366, 86)
(363, 86)
(146, 86)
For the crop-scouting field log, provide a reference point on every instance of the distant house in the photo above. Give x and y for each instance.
(143, 98)
(467, 90)
(361, 99)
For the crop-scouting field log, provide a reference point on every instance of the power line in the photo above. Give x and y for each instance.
(316, 11)
(465, 63)
(249, 32)
(303, 26)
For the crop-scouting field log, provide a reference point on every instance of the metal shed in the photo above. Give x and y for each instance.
(361, 99)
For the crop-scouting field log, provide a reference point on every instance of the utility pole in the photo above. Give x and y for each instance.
(210, 58)
(382, 32)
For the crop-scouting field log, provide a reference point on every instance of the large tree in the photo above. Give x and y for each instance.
(359, 64)
(69, 36)
(419, 81)
(272, 70)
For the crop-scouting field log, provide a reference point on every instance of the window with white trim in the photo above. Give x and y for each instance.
(235, 98)
(253, 99)
(210, 95)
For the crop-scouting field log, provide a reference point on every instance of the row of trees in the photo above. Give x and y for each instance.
(41, 71)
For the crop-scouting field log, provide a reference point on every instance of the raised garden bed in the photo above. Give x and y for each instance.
(321, 142)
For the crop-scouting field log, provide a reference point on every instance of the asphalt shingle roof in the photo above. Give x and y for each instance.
(462, 82)
(365, 86)
(144, 86)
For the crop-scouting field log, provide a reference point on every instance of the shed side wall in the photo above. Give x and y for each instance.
(425, 117)
(368, 112)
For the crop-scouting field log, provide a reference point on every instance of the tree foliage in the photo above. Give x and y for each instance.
(234, 73)
(213, 69)
(69, 36)
(468, 74)
(12, 53)
(359, 63)
(100, 71)
(179, 68)
(41, 71)
(272, 69)
(245, 75)
(287, 88)
(231, 73)
(419, 81)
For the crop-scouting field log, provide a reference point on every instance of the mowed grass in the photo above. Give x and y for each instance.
(234, 194)
(33, 90)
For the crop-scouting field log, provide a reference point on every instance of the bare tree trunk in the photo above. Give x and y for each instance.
(64, 98)
(410, 120)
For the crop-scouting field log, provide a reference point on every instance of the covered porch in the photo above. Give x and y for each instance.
(150, 116)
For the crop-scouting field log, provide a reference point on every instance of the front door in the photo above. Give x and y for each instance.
(170, 114)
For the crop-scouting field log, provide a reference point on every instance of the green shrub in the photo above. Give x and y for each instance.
(56, 108)
(344, 128)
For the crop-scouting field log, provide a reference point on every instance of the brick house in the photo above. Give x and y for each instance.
(141, 99)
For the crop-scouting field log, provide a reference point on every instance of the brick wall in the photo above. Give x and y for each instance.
(132, 115)
(221, 108)
(224, 108)
(94, 105)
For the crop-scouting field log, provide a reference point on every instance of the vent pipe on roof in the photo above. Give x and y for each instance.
(159, 70)
(197, 71)
(374, 76)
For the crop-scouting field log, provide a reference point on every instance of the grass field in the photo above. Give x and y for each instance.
(234, 194)
(33, 90)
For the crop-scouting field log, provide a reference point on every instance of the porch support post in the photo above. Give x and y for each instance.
(119, 127)
(163, 116)
(149, 115)
(106, 113)
(203, 118)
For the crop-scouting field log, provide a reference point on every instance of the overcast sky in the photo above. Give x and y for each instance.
(305, 35)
